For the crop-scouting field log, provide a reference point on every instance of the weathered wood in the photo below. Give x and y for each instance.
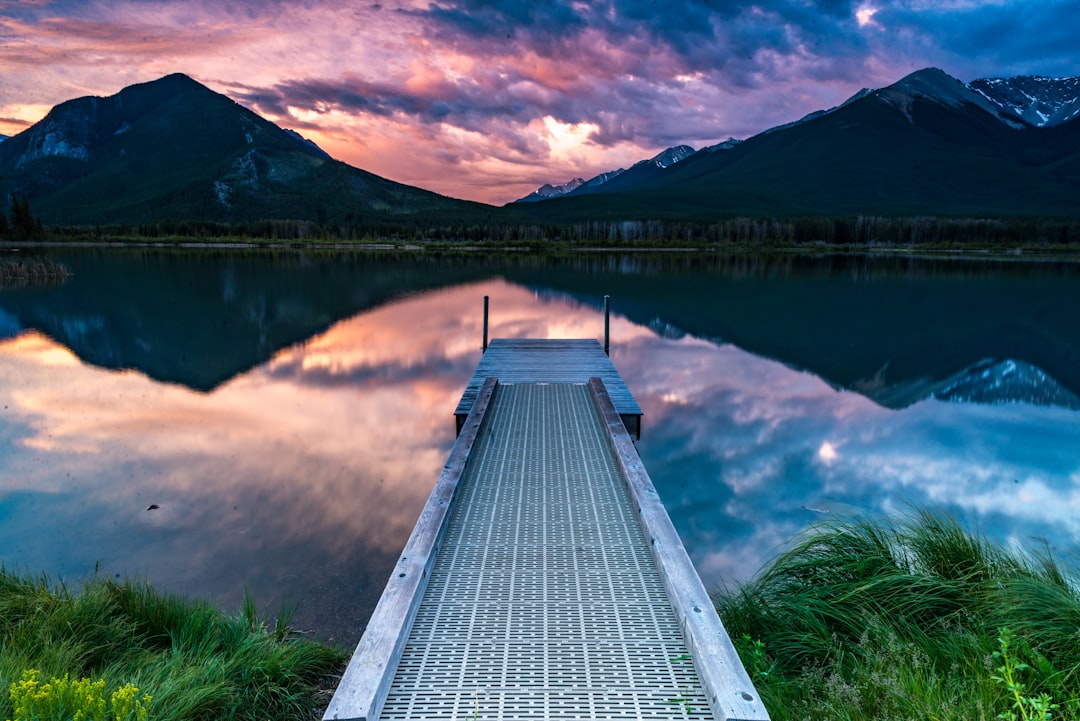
(729, 689)
(362, 690)
(531, 360)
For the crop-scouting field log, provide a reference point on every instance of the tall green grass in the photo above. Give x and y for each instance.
(910, 618)
(193, 660)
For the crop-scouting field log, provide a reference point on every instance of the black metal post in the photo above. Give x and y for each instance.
(485, 323)
(607, 325)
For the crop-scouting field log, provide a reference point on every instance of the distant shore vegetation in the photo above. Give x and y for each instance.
(764, 233)
(911, 618)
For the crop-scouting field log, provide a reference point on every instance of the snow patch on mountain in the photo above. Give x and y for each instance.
(1041, 101)
(603, 178)
(663, 160)
(548, 191)
(725, 145)
(1008, 381)
(666, 158)
(937, 86)
(1018, 102)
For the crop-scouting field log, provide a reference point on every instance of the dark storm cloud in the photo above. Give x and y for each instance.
(693, 35)
(992, 40)
(465, 104)
(454, 84)
(628, 61)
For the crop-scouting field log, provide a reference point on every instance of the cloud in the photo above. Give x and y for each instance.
(460, 96)
(994, 39)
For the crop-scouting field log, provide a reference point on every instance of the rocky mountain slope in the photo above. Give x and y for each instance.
(172, 149)
(928, 144)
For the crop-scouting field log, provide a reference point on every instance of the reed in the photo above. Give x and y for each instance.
(911, 617)
(22, 272)
(193, 661)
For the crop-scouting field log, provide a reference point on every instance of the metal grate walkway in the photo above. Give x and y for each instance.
(544, 601)
(531, 360)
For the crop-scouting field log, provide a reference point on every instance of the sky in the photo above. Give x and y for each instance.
(487, 100)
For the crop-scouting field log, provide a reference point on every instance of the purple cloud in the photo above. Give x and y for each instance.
(476, 84)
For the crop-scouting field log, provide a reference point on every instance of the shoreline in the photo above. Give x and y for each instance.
(1018, 252)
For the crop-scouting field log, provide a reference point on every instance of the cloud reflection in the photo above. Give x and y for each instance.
(752, 452)
(305, 474)
(301, 479)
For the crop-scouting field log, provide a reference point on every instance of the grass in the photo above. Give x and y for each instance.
(910, 618)
(194, 661)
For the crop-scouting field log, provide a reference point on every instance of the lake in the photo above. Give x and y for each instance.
(228, 420)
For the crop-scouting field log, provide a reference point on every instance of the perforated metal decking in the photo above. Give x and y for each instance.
(544, 601)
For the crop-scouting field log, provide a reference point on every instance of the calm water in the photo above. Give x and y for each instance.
(287, 414)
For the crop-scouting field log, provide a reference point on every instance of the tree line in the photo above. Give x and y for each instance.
(20, 223)
(764, 232)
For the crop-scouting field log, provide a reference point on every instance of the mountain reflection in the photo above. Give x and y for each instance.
(297, 469)
(746, 452)
(299, 480)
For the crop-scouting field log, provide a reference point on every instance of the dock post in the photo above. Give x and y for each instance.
(607, 325)
(485, 323)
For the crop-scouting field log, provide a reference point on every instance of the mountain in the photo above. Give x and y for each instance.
(547, 191)
(724, 145)
(643, 168)
(199, 320)
(1040, 101)
(1008, 381)
(173, 149)
(898, 330)
(927, 145)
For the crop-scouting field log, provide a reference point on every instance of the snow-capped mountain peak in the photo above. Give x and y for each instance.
(725, 145)
(1041, 101)
(547, 191)
(669, 157)
(662, 160)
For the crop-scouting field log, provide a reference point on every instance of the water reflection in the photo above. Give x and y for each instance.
(300, 478)
(748, 452)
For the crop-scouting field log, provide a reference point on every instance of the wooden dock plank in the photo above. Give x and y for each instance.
(531, 360)
(545, 602)
(362, 691)
(521, 584)
(730, 691)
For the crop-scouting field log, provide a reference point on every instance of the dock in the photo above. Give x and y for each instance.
(529, 360)
(544, 579)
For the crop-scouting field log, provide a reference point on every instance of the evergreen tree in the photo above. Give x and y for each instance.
(23, 224)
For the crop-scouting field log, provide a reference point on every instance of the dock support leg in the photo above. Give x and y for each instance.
(485, 323)
(607, 325)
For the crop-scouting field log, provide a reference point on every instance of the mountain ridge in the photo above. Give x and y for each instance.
(1020, 103)
(925, 145)
(172, 149)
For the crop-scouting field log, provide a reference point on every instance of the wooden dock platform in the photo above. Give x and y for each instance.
(530, 360)
(544, 580)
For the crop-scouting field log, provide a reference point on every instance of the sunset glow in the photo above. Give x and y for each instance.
(488, 101)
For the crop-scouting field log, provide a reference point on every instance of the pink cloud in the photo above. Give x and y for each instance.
(469, 85)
